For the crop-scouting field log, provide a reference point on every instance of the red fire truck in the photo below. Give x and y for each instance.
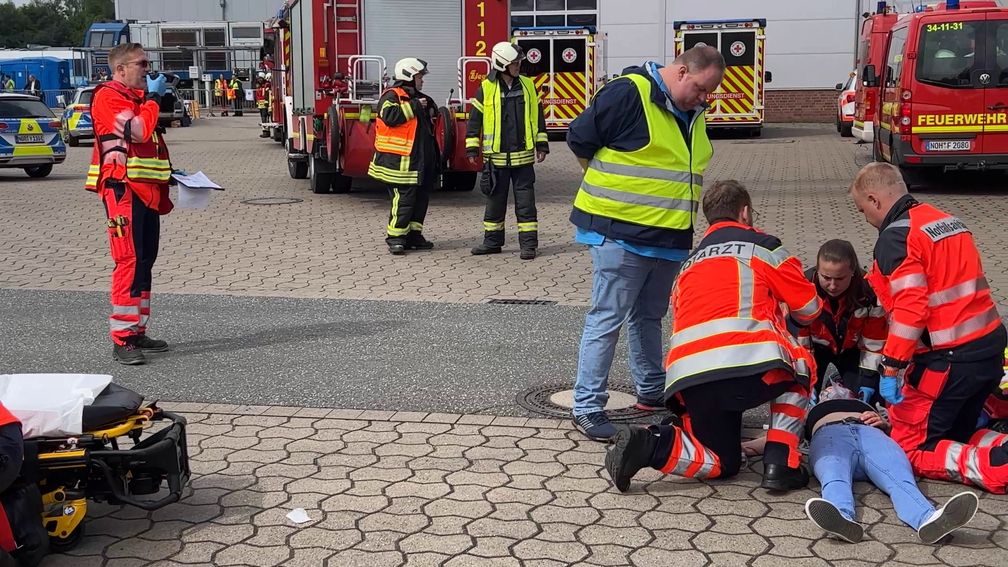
(871, 51)
(944, 90)
(331, 67)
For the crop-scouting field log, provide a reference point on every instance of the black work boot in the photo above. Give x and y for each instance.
(396, 246)
(483, 250)
(416, 241)
(630, 452)
(128, 354)
(150, 345)
(528, 253)
(783, 478)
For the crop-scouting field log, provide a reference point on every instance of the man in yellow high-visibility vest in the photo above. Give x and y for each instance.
(643, 144)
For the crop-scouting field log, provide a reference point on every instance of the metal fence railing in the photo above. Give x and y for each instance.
(196, 103)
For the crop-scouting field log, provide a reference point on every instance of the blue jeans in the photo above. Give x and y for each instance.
(842, 453)
(632, 289)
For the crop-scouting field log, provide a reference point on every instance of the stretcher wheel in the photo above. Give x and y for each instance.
(60, 544)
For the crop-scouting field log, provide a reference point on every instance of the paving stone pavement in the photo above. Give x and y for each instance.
(412, 488)
(331, 246)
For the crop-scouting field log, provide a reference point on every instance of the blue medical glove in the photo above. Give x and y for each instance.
(891, 388)
(866, 394)
(157, 85)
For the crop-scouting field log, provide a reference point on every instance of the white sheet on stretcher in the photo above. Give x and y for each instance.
(50, 405)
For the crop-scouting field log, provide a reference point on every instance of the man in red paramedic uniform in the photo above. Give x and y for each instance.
(946, 342)
(730, 352)
(130, 172)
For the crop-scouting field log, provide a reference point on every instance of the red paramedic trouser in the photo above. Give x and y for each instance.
(133, 230)
(708, 444)
(936, 423)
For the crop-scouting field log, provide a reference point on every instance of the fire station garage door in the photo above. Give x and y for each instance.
(426, 29)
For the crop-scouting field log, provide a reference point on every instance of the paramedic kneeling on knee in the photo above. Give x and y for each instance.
(943, 355)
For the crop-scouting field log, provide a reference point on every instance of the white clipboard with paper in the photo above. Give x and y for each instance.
(194, 189)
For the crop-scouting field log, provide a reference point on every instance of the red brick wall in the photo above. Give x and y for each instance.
(800, 105)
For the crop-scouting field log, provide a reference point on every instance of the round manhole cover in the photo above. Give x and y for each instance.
(272, 201)
(556, 401)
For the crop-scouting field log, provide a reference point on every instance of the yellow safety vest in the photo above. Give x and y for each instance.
(658, 185)
(490, 106)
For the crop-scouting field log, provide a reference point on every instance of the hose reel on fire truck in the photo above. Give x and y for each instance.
(446, 135)
(335, 132)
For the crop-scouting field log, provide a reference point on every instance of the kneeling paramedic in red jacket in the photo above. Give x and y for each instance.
(130, 170)
(23, 539)
(730, 351)
(946, 342)
(851, 329)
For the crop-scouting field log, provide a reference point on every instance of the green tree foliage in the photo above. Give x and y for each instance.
(56, 23)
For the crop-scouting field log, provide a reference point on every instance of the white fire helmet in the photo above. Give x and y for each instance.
(504, 54)
(406, 69)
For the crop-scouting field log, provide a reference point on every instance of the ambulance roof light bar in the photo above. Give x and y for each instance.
(719, 24)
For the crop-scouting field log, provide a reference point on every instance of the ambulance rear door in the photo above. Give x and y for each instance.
(561, 64)
(538, 66)
(738, 101)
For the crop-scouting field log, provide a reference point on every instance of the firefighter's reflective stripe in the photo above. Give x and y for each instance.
(897, 285)
(645, 172)
(397, 140)
(957, 292)
(527, 226)
(955, 333)
(787, 418)
(492, 226)
(392, 230)
(689, 458)
(988, 438)
(148, 169)
(808, 312)
(728, 356)
(512, 159)
(962, 462)
(91, 183)
(491, 107)
(401, 176)
(656, 186)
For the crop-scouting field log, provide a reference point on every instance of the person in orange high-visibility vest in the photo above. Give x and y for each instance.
(730, 351)
(944, 352)
(130, 169)
(406, 155)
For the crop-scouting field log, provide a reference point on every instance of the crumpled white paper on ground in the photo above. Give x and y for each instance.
(298, 516)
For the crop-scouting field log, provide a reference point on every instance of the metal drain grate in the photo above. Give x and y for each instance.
(272, 201)
(538, 400)
(522, 302)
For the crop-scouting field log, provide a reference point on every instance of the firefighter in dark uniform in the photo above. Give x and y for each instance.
(263, 101)
(406, 155)
(506, 110)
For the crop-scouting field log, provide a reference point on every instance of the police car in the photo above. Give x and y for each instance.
(77, 117)
(29, 135)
